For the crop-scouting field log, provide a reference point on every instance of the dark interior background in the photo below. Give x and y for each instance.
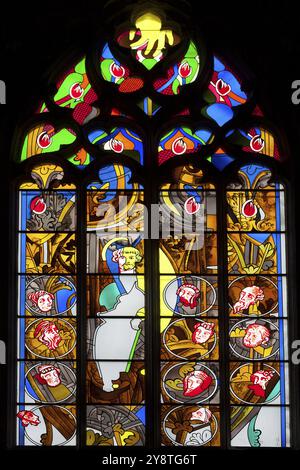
(263, 35)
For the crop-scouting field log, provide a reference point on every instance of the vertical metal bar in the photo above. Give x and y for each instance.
(12, 327)
(293, 320)
(81, 315)
(223, 313)
(149, 312)
(152, 301)
(155, 358)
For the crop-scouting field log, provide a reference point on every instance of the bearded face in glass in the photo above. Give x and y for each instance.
(48, 334)
(248, 296)
(127, 258)
(256, 335)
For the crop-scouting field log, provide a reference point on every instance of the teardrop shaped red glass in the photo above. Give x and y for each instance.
(249, 209)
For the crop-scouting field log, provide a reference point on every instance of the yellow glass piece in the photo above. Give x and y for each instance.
(237, 333)
(165, 267)
(141, 312)
(43, 175)
(265, 352)
(269, 143)
(125, 436)
(34, 186)
(152, 34)
(51, 252)
(244, 374)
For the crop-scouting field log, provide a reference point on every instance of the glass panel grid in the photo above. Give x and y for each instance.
(47, 326)
(258, 311)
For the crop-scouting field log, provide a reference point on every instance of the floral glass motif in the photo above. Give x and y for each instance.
(150, 99)
(75, 92)
(223, 95)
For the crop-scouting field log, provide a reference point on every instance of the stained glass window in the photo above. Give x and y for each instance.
(152, 302)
